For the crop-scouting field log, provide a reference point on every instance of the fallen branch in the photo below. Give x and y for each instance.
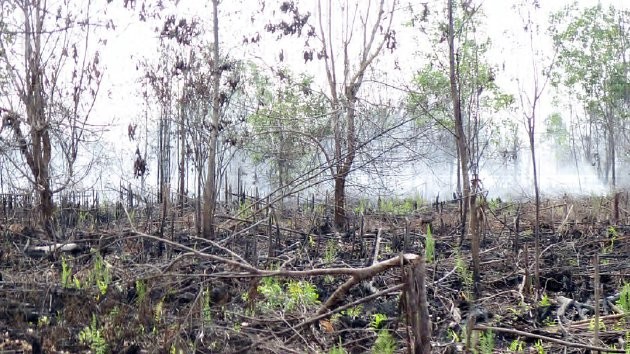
(41, 251)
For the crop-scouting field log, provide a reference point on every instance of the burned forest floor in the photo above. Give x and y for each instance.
(285, 281)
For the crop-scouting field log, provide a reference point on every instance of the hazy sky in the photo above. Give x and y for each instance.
(133, 40)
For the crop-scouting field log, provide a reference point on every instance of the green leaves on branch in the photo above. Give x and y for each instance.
(288, 121)
(591, 48)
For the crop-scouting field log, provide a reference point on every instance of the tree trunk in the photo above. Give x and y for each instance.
(418, 308)
(345, 162)
(210, 191)
(40, 155)
(182, 156)
(532, 146)
(462, 148)
(613, 163)
(460, 138)
(340, 200)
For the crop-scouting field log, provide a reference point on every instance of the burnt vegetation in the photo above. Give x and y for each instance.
(179, 281)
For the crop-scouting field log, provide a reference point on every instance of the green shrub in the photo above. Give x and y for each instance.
(486, 342)
(92, 336)
(384, 343)
(624, 298)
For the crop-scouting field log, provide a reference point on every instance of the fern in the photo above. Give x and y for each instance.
(486, 342)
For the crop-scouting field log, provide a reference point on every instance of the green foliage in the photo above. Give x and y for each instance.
(43, 321)
(338, 349)
(158, 311)
(589, 50)
(302, 294)
(384, 343)
(362, 207)
(429, 250)
(93, 337)
(271, 289)
(502, 101)
(480, 96)
(100, 275)
(613, 234)
(516, 346)
(431, 93)
(205, 309)
(549, 322)
(486, 342)
(556, 129)
(174, 350)
(545, 301)
(591, 64)
(330, 254)
(378, 320)
(557, 133)
(624, 298)
(465, 274)
(289, 119)
(494, 203)
(538, 346)
(397, 206)
(245, 209)
(453, 336)
(66, 273)
(592, 324)
(141, 291)
(353, 312)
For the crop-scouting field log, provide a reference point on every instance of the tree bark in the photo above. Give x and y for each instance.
(210, 191)
(418, 307)
(182, 155)
(340, 200)
(531, 124)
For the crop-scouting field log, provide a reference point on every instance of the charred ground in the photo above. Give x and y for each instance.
(136, 283)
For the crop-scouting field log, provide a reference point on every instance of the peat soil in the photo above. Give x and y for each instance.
(123, 288)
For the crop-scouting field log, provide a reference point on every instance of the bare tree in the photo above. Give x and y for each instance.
(210, 190)
(54, 80)
(530, 102)
(345, 80)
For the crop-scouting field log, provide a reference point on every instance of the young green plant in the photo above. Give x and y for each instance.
(429, 249)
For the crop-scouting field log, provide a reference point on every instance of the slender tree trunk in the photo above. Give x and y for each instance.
(182, 155)
(345, 163)
(210, 191)
(613, 162)
(532, 147)
(460, 138)
(462, 148)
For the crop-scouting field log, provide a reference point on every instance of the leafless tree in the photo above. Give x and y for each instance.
(346, 78)
(54, 78)
(210, 190)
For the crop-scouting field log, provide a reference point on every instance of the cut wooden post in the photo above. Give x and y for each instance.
(418, 308)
